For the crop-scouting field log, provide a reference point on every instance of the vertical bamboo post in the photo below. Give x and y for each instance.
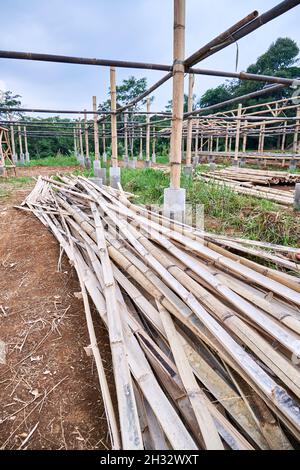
(178, 91)
(154, 145)
(86, 138)
(103, 139)
(147, 162)
(174, 197)
(283, 137)
(197, 139)
(13, 144)
(217, 144)
(263, 138)
(125, 137)
(245, 137)
(190, 121)
(75, 142)
(96, 131)
(80, 139)
(293, 164)
(114, 138)
(259, 139)
(141, 144)
(114, 171)
(295, 141)
(211, 144)
(21, 146)
(201, 141)
(27, 158)
(237, 136)
(226, 139)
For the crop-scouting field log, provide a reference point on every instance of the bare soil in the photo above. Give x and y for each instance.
(48, 382)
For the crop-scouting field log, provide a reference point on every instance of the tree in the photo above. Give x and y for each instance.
(279, 60)
(9, 100)
(169, 106)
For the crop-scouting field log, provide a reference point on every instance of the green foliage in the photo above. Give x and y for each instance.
(279, 60)
(54, 161)
(8, 99)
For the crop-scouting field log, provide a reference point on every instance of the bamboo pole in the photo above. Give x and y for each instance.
(148, 131)
(80, 138)
(26, 142)
(96, 131)
(190, 121)
(125, 137)
(283, 137)
(75, 142)
(114, 138)
(237, 135)
(86, 137)
(197, 139)
(245, 137)
(20, 140)
(141, 144)
(226, 138)
(103, 138)
(178, 92)
(154, 142)
(297, 127)
(12, 137)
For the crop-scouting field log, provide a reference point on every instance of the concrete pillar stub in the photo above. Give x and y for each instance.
(174, 204)
(188, 170)
(114, 176)
(22, 159)
(87, 163)
(97, 181)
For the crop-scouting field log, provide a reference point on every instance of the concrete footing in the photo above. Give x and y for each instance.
(87, 163)
(104, 157)
(132, 163)
(195, 161)
(147, 163)
(188, 170)
(15, 158)
(235, 163)
(27, 157)
(153, 158)
(81, 160)
(22, 159)
(97, 168)
(212, 166)
(126, 162)
(2, 170)
(242, 162)
(114, 176)
(97, 181)
(297, 197)
(293, 165)
(174, 204)
(141, 156)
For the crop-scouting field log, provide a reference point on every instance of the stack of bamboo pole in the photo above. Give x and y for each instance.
(280, 196)
(261, 177)
(204, 342)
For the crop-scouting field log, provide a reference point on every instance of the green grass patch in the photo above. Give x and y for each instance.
(225, 210)
(54, 161)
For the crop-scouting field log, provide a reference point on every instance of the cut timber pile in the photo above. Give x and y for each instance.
(261, 177)
(204, 342)
(283, 197)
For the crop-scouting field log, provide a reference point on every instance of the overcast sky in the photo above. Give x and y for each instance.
(139, 30)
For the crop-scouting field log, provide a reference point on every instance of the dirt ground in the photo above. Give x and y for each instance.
(49, 392)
